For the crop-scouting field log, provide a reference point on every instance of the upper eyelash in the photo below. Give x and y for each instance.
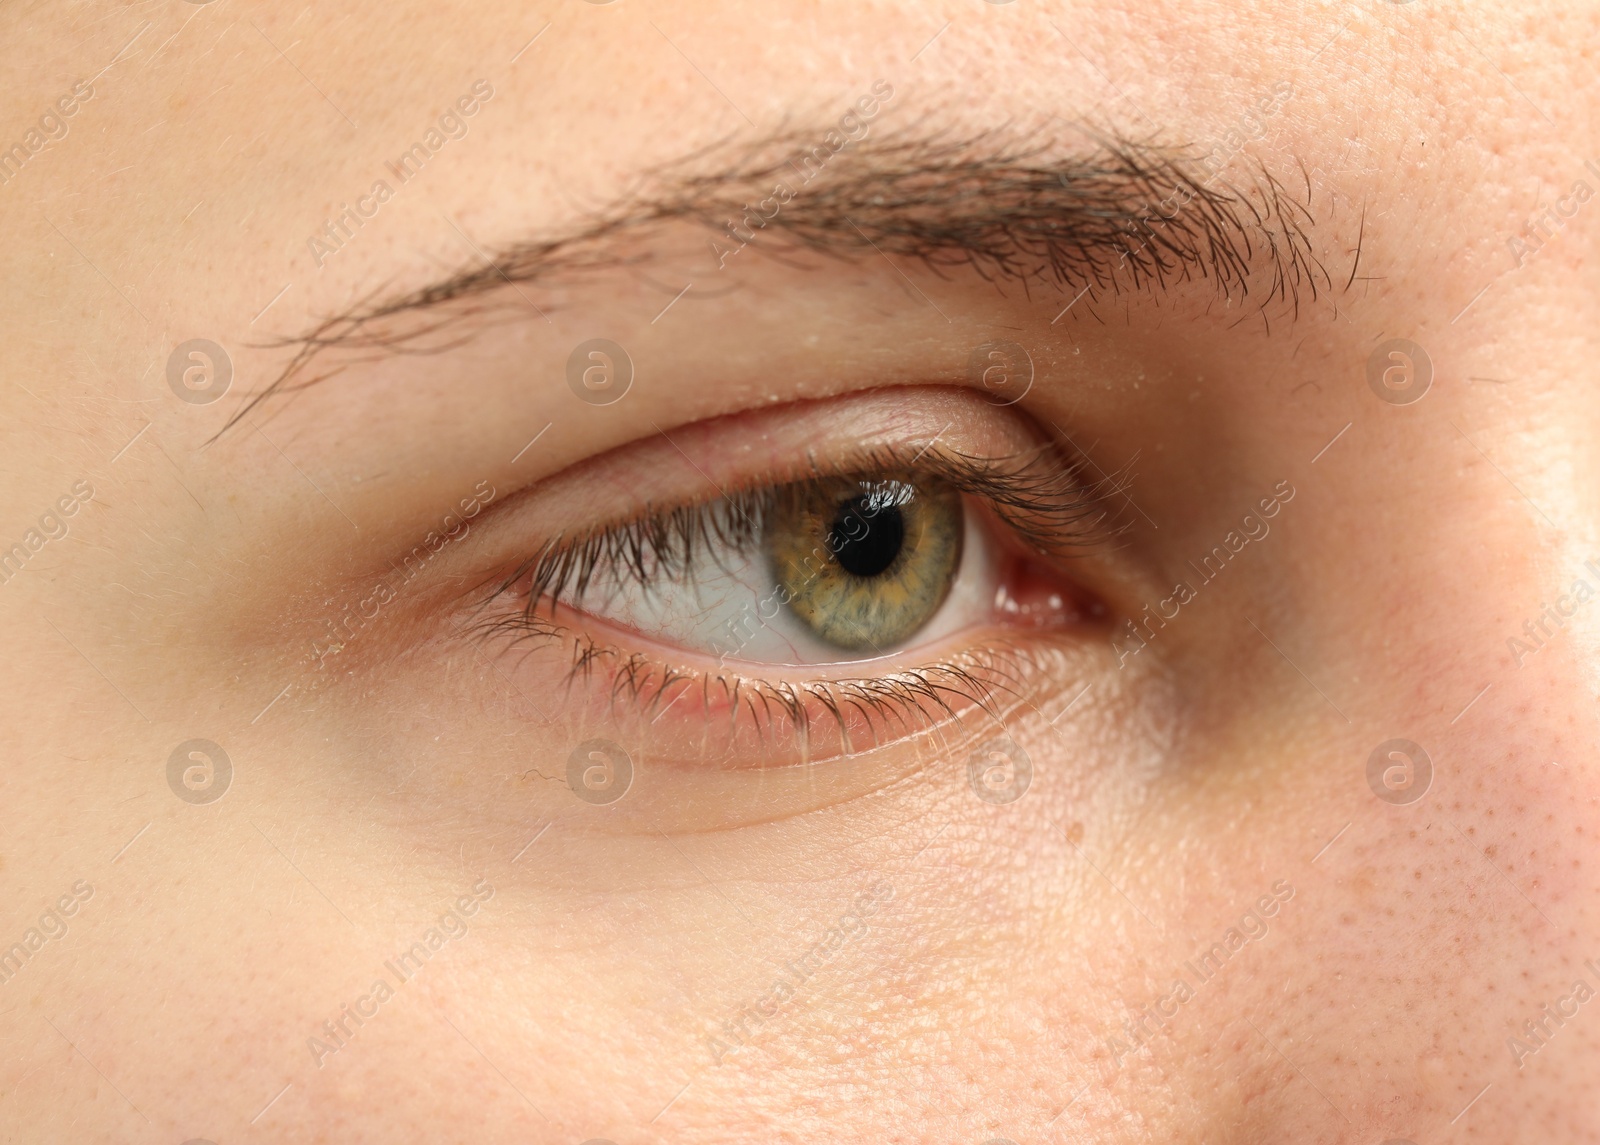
(1043, 495)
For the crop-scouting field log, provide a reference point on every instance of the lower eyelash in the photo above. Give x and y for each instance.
(894, 705)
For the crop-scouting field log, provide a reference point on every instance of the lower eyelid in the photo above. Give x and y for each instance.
(700, 716)
(693, 712)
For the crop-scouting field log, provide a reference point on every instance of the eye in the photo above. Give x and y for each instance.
(819, 571)
(860, 576)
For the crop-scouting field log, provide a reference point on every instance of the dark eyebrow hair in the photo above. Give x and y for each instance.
(1106, 216)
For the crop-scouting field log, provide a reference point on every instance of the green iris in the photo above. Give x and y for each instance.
(864, 563)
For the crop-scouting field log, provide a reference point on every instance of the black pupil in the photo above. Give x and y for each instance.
(867, 535)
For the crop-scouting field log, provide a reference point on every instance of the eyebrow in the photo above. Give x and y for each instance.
(1093, 221)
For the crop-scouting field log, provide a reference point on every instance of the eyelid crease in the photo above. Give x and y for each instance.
(1041, 494)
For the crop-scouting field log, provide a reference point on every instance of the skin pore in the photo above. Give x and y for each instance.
(1277, 825)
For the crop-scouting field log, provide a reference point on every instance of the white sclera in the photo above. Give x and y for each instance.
(727, 607)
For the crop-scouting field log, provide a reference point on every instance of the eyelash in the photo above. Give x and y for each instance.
(1043, 496)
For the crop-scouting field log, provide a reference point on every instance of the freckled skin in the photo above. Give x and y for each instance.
(619, 981)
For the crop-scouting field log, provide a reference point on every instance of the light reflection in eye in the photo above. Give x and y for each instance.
(864, 565)
(818, 571)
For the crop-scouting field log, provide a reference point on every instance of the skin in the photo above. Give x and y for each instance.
(986, 994)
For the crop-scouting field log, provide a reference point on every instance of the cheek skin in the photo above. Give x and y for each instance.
(1394, 975)
(991, 994)
(1421, 936)
(956, 946)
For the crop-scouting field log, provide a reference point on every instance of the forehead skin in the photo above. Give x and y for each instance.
(990, 999)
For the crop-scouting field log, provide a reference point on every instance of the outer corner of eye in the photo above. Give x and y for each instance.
(823, 571)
